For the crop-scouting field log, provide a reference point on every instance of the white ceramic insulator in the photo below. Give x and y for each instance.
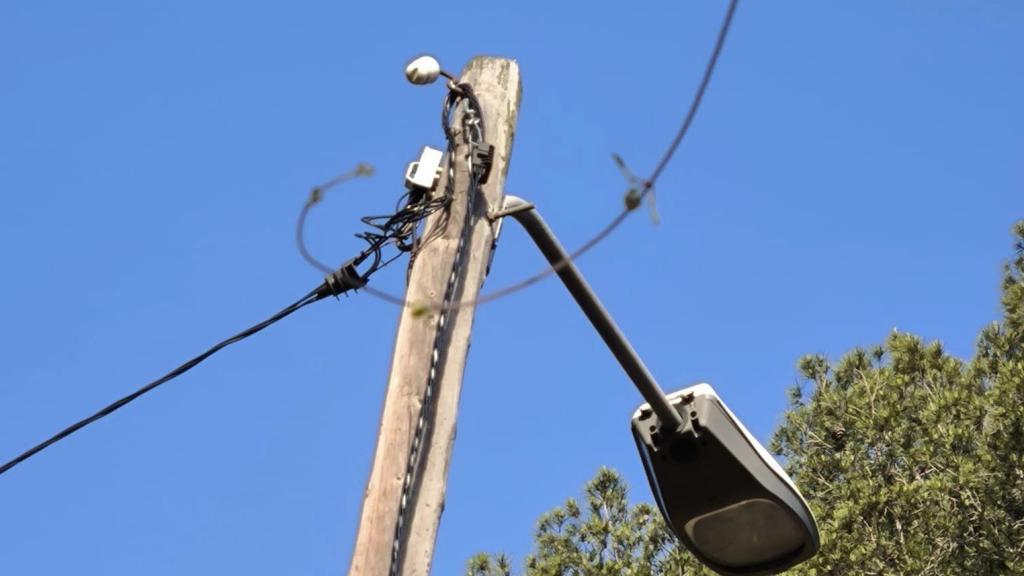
(423, 70)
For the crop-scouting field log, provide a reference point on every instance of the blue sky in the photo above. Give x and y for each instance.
(856, 167)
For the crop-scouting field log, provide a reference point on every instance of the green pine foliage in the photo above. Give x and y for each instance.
(912, 461)
(601, 536)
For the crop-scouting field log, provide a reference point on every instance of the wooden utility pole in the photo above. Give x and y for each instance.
(496, 84)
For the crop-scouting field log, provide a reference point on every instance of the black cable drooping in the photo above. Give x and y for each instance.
(473, 130)
(306, 300)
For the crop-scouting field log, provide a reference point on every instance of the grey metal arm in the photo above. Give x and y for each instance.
(525, 213)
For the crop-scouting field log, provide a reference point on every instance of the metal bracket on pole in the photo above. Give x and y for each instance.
(526, 214)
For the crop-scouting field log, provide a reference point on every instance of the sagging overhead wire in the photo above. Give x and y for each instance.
(639, 190)
(327, 288)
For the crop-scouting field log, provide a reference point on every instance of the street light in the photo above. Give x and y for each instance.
(719, 490)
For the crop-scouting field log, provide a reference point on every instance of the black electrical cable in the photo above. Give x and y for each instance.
(698, 97)
(473, 130)
(342, 280)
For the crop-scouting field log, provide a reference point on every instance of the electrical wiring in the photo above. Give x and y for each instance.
(473, 130)
(698, 97)
(339, 281)
(634, 196)
(638, 191)
(315, 196)
(398, 230)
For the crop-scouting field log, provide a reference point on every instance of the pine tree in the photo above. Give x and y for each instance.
(912, 461)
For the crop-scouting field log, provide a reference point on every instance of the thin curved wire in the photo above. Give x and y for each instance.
(300, 240)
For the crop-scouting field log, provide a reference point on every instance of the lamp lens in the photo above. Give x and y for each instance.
(746, 534)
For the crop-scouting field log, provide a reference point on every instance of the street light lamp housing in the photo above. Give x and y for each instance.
(720, 491)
